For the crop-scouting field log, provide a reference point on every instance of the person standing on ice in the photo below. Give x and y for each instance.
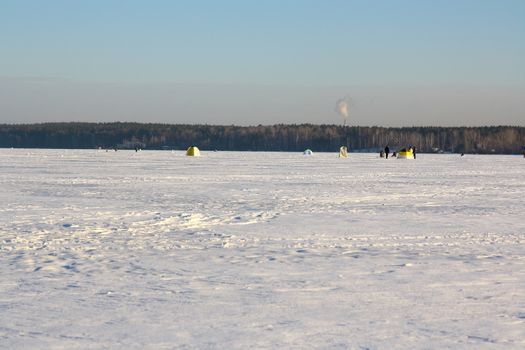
(414, 151)
(387, 150)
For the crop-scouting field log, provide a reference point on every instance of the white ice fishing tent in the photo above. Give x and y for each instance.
(308, 152)
(343, 152)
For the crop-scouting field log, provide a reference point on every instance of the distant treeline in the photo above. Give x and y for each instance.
(280, 137)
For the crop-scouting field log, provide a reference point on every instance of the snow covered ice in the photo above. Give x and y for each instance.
(157, 250)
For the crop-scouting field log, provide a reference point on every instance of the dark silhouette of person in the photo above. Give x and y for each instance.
(414, 151)
(387, 150)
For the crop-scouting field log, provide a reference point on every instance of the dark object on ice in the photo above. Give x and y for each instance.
(414, 151)
(462, 154)
(387, 150)
(394, 154)
(382, 154)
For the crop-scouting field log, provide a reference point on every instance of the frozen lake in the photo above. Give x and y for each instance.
(260, 250)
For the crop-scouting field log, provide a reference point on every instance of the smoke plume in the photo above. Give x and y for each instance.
(342, 107)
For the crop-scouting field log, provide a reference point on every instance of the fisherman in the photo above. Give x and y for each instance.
(387, 150)
(414, 151)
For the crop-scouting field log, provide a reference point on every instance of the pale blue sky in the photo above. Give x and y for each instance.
(417, 62)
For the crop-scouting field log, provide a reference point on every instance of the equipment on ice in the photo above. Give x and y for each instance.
(308, 152)
(193, 151)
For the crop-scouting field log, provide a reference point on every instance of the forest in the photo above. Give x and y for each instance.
(280, 137)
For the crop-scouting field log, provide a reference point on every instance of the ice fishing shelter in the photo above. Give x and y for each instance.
(193, 151)
(308, 152)
(343, 152)
(405, 153)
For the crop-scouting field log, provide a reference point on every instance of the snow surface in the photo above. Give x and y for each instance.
(157, 250)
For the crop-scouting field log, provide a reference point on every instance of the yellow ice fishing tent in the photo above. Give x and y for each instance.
(405, 153)
(343, 152)
(193, 151)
